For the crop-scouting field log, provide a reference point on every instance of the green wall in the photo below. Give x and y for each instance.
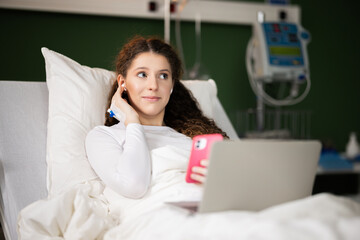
(95, 40)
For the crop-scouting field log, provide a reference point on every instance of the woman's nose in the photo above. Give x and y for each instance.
(153, 83)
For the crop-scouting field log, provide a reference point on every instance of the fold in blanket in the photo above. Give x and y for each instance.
(79, 213)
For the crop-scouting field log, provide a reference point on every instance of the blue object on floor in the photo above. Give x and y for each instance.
(333, 161)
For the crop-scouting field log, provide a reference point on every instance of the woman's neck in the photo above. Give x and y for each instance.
(159, 121)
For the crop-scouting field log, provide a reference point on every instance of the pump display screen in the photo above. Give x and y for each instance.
(283, 44)
(285, 51)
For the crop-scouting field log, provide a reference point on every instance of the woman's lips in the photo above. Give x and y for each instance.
(151, 98)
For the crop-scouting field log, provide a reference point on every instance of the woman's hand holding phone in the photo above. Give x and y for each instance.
(126, 112)
(200, 153)
(199, 172)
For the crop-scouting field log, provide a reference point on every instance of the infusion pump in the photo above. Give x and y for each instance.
(279, 52)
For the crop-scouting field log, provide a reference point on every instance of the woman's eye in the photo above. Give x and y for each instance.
(164, 76)
(142, 75)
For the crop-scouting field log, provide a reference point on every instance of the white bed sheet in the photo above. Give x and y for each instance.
(23, 121)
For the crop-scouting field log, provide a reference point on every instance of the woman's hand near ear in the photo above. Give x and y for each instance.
(131, 116)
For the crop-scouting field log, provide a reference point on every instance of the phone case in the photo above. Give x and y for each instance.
(201, 146)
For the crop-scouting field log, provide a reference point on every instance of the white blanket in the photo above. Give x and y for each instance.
(87, 211)
(320, 217)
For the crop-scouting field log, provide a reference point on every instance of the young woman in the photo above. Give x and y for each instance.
(157, 110)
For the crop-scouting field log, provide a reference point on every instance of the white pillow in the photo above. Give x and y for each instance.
(77, 103)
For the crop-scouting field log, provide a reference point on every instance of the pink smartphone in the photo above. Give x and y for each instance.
(201, 146)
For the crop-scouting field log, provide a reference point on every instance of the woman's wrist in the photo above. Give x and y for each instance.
(132, 119)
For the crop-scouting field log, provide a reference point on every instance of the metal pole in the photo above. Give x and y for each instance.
(167, 21)
(260, 110)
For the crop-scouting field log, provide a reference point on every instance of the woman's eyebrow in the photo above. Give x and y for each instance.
(145, 68)
(139, 68)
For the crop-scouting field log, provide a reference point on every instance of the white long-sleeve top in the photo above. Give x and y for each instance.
(121, 155)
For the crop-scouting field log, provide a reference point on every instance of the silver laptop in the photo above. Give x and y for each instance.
(253, 175)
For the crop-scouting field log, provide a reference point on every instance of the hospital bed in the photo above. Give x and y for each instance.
(23, 133)
(28, 138)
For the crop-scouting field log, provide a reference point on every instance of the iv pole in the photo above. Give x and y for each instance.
(167, 21)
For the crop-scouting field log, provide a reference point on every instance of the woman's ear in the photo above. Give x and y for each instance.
(121, 81)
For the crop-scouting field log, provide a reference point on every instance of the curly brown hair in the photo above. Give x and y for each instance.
(182, 112)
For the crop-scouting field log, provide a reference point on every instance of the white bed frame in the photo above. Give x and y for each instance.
(24, 107)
